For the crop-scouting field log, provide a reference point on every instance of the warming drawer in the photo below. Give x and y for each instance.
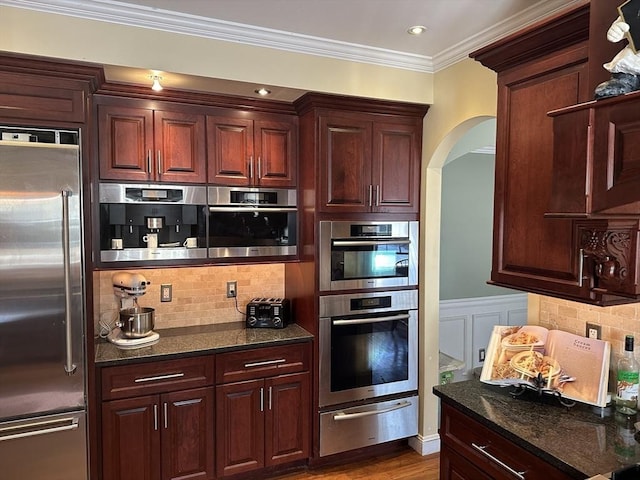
(370, 424)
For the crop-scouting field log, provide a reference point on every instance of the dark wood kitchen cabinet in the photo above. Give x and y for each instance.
(540, 69)
(472, 451)
(364, 154)
(138, 144)
(248, 151)
(263, 408)
(158, 420)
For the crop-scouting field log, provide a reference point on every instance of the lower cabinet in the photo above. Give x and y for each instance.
(472, 451)
(166, 436)
(262, 423)
(206, 417)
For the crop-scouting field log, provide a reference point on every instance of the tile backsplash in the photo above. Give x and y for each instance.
(199, 293)
(615, 322)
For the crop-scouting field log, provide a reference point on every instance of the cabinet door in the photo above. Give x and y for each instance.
(532, 252)
(239, 427)
(179, 147)
(396, 167)
(345, 164)
(456, 467)
(125, 145)
(131, 439)
(287, 421)
(230, 150)
(187, 435)
(275, 153)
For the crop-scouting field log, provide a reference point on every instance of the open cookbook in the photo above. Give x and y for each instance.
(552, 360)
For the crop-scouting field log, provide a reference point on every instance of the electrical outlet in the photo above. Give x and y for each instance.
(482, 354)
(165, 293)
(232, 289)
(593, 331)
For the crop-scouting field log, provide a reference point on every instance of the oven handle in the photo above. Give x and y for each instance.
(352, 416)
(358, 321)
(368, 243)
(252, 208)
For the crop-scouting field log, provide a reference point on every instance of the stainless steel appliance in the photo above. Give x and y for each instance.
(368, 351)
(252, 222)
(42, 298)
(152, 222)
(358, 255)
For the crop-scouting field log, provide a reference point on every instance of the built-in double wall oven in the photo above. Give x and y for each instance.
(368, 369)
(361, 255)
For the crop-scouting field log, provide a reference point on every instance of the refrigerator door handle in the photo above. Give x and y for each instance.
(69, 366)
(38, 428)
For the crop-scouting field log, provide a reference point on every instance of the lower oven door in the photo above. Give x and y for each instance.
(367, 356)
(370, 424)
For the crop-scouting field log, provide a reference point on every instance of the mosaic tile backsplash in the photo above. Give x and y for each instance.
(199, 293)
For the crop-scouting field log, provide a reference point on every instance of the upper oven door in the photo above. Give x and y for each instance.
(368, 255)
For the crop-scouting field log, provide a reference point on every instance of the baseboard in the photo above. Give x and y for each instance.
(425, 445)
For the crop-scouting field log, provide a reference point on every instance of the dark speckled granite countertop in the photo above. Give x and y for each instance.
(201, 340)
(583, 441)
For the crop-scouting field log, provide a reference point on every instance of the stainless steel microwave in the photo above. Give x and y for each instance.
(252, 222)
(368, 254)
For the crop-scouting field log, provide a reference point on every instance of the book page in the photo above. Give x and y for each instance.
(553, 361)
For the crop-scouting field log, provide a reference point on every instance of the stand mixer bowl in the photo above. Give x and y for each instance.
(136, 322)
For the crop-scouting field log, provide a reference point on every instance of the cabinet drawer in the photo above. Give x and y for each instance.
(156, 377)
(491, 452)
(261, 362)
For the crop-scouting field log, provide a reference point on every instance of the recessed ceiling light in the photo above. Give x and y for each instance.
(416, 30)
(262, 91)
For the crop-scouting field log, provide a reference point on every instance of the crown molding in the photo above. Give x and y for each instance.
(186, 24)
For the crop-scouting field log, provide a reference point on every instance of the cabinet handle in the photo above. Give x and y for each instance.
(159, 377)
(377, 195)
(261, 399)
(482, 450)
(370, 195)
(265, 362)
(149, 160)
(155, 416)
(159, 163)
(251, 167)
(259, 168)
(581, 268)
(270, 395)
(166, 421)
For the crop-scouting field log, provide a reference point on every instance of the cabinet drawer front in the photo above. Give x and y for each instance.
(490, 451)
(261, 362)
(156, 377)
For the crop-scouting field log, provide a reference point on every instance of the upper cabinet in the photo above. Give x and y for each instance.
(365, 157)
(548, 179)
(248, 151)
(145, 145)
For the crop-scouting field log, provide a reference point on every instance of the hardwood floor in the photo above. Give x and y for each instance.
(405, 465)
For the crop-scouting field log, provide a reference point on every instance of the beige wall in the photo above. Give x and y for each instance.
(72, 38)
(465, 94)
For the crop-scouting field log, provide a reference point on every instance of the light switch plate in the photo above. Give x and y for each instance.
(165, 293)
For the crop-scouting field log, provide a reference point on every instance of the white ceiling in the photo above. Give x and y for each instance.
(370, 31)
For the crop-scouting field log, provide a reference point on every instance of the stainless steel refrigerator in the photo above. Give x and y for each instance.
(42, 360)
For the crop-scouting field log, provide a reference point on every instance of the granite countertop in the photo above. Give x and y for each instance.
(201, 340)
(582, 441)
